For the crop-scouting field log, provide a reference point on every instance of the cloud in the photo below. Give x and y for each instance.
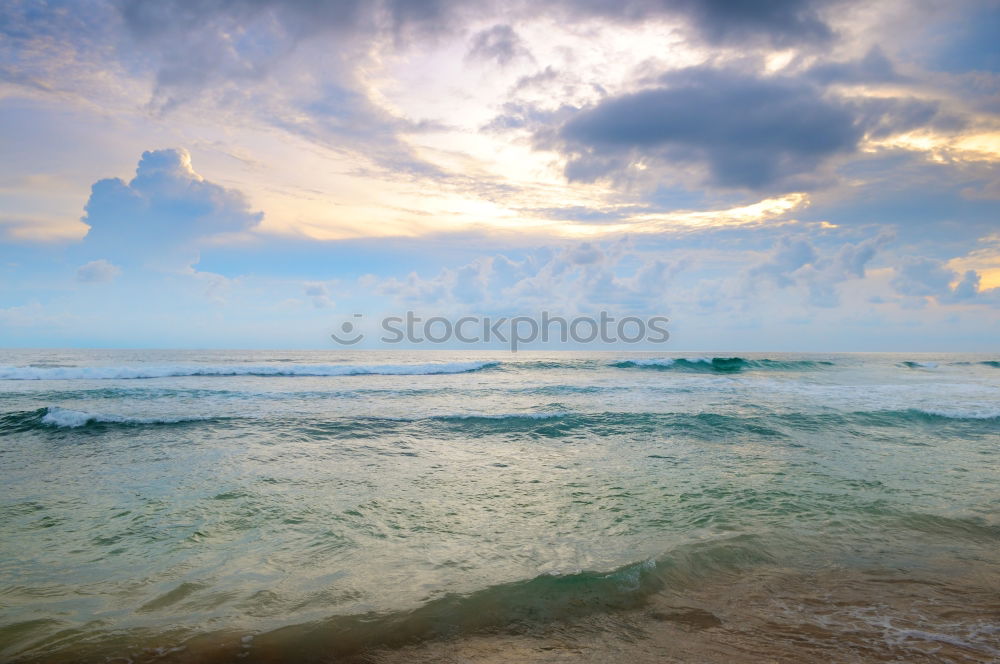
(213, 286)
(967, 288)
(778, 23)
(258, 54)
(499, 43)
(884, 117)
(297, 65)
(874, 67)
(852, 259)
(32, 315)
(38, 229)
(252, 33)
(788, 256)
(795, 262)
(735, 127)
(576, 278)
(920, 277)
(97, 272)
(195, 44)
(165, 205)
(781, 23)
(850, 262)
(752, 133)
(319, 294)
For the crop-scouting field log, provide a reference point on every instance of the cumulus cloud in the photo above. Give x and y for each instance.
(849, 262)
(97, 272)
(795, 261)
(920, 278)
(788, 256)
(165, 205)
(578, 278)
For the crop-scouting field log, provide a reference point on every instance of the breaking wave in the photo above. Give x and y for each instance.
(113, 373)
(720, 364)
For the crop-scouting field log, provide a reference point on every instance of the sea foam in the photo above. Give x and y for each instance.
(65, 417)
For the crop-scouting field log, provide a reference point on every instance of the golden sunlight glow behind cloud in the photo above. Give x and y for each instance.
(983, 146)
(985, 261)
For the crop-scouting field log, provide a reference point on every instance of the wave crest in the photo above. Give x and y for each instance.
(56, 417)
(720, 364)
(64, 417)
(911, 364)
(127, 373)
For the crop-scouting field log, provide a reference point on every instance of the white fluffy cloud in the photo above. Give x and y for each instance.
(99, 271)
(166, 204)
(576, 278)
(795, 261)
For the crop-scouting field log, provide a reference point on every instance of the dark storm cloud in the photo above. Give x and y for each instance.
(782, 22)
(763, 133)
(751, 133)
(779, 23)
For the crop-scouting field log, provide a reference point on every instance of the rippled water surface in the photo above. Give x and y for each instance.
(315, 506)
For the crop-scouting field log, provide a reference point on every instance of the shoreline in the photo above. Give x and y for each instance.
(768, 614)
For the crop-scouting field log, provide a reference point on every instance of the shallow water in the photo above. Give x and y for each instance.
(312, 506)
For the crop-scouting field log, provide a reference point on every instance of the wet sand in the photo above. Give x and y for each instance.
(780, 616)
(770, 615)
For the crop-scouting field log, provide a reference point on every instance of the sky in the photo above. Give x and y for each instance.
(799, 175)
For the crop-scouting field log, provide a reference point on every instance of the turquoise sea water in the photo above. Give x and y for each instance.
(315, 506)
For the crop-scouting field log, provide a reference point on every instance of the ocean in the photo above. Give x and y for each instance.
(328, 506)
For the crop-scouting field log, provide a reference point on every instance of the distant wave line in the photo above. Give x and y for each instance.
(128, 373)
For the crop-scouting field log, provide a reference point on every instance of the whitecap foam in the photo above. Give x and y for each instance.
(502, 416)
(65, 417)
(125, 373)
(665, 362)
(962, 413)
